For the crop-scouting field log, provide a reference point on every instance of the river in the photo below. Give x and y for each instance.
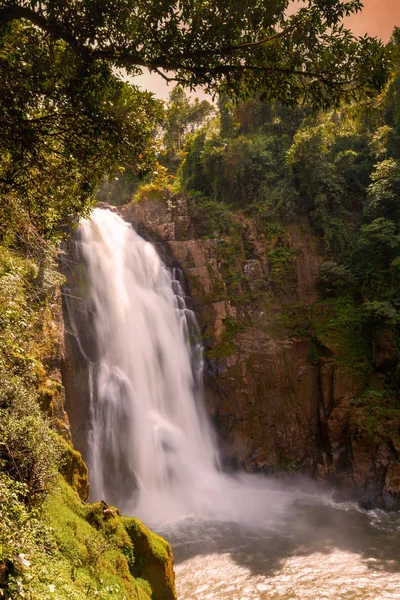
(312, 549)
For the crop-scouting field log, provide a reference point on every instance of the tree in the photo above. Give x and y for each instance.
(243, 47)
(376, 246)
(181, 117)
(63, 127)
(384, 192)
(67, 118)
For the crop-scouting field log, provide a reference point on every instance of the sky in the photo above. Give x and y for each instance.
(377, 19)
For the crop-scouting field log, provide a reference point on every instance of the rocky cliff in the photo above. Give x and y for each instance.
(292, 381)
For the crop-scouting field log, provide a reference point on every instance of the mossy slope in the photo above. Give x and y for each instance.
(104, 555)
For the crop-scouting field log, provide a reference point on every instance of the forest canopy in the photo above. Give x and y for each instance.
(68, 118)
(244, 47)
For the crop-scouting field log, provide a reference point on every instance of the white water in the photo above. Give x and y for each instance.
(149, 438)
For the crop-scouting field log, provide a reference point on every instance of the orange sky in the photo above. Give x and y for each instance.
(377, 19)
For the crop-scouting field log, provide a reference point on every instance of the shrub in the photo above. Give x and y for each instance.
(209, 218)
(30, 453)
(381, 314)
(21, 535)
(29, 450)
(332, 279)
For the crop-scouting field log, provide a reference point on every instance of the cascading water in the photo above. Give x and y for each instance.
(149, 437)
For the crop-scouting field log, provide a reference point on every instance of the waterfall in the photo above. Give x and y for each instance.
(148, 436)
(149, 446)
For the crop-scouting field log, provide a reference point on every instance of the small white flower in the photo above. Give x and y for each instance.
(20, 588)
(22, 561)
(52, 587)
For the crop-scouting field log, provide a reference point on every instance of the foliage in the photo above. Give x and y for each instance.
(242, 48)
(384, 191)
(375, 410)
(159, 186)
(339, 168)
(332, 278)
(69, 121)
(64, 127)
(120, 189)
(339, 326)
(210, 219)
(376, 245)
(381, 314)
(29, 450)
(25, 541)
(280, 260)
(182, 117)
(29, 298)
(244, 170)
(330, 162)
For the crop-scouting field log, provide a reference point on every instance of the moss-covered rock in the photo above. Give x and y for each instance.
(75, 471)
(153, 559)
(104, 555)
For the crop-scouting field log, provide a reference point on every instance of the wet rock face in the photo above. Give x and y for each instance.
(284, 388)
(391, 490)
(75, 366)
(265, 398)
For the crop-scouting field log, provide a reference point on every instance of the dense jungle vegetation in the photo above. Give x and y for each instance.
(70, 124)
(340, 167)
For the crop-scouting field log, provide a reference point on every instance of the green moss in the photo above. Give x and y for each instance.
(293, 320)
(158, 546)
(226, 346)
(232, 254)
(101, 554)
(374, 413)
(197, 293)
(75, 470)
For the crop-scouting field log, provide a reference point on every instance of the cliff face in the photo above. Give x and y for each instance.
(288, 374)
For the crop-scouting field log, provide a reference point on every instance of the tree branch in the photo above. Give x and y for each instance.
(51, 27)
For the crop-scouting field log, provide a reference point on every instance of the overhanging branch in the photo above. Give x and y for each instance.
(56, 30)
